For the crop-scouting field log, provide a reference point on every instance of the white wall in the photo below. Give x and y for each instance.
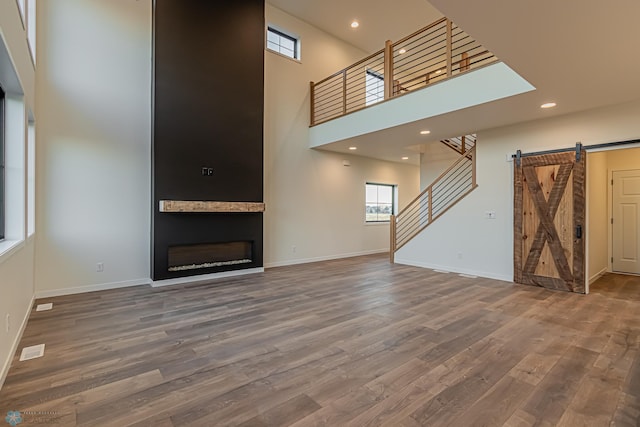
(618, 160)
(597, 214)
(16, 265)
(93, 144)
(463, 240)
(314, 202)
(434, 160)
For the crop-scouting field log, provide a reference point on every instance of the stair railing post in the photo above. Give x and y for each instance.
(344, 92)
(430, 206)
(392, 244)
(473, 167)
(312, 101)
(464, 62)
(449, 48)
(388, 70)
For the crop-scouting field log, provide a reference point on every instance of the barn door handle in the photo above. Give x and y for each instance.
(578, 232)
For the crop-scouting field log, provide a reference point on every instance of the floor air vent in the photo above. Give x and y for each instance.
(32, 352)
(44, 307)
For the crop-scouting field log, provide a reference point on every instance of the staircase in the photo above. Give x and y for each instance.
(461, 144)
(442, 194)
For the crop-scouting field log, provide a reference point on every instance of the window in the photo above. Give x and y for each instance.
(282, 43)
(2, 189)
(31, 178)
(21, 7)
(374, 87)
(380, 202)
(31, 27)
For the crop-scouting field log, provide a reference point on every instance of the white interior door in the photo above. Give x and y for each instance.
(626, 221)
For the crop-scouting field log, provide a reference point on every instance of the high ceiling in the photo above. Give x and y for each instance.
(581, 54)
(379, 20)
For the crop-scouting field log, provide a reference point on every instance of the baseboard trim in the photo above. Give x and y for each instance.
(91, 288)
(597, 275)
(451, 269)
(14, 347)
(205, 277)
(324, 258)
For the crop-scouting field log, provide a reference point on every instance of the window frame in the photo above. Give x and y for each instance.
(3, 192)
(22, 8)
(394, 202)
(378, 92)
(288, 36)
(31, 177)
(31, 18)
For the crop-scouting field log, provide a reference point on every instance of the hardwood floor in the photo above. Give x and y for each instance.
(349, 342)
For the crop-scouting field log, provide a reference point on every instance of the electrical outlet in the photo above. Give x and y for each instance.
(293, 249)
(100, 267)
(7, 325)
(459, 255)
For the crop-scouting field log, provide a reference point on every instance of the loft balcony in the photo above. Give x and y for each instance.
(436, 70)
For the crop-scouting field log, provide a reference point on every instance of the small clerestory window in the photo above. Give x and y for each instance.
(282, 43)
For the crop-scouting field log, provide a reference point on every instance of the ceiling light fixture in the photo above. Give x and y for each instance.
(425, 132)
(405, 158)
(353, 148)
(548, 105)
(355, 24)
(401, 51)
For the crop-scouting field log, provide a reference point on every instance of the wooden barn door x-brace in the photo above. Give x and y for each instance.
(549, 214)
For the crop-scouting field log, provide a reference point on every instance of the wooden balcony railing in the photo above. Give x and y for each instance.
(435, 53)
(445, 191)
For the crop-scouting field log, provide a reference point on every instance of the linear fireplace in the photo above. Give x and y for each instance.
(208, 255)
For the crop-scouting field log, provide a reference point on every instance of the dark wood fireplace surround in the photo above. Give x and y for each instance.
(207, 137)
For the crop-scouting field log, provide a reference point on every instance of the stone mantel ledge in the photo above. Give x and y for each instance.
(194, 206)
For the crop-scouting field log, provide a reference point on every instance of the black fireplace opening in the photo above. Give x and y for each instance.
(209, 255)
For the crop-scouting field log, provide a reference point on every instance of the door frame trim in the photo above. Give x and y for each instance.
(589, 148)
(592, 148)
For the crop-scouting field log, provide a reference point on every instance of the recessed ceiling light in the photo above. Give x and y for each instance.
(425, 132)
(355, 24)
(438, 71)
(353, 148)
(401, 51)
(405, 158)
(548, 105)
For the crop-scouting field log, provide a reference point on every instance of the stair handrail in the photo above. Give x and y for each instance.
(451, 186)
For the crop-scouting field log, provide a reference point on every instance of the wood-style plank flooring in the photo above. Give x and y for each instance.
(353, 342)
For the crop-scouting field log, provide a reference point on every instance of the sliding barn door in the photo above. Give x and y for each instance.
(549, 226)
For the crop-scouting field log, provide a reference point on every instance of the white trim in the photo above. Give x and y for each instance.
(91, 288)
(9, 247)
(377, 223)
(455, 270)
(282, 55)
(324, 258)
(205, 277)
(14, 347)
(597, 275)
